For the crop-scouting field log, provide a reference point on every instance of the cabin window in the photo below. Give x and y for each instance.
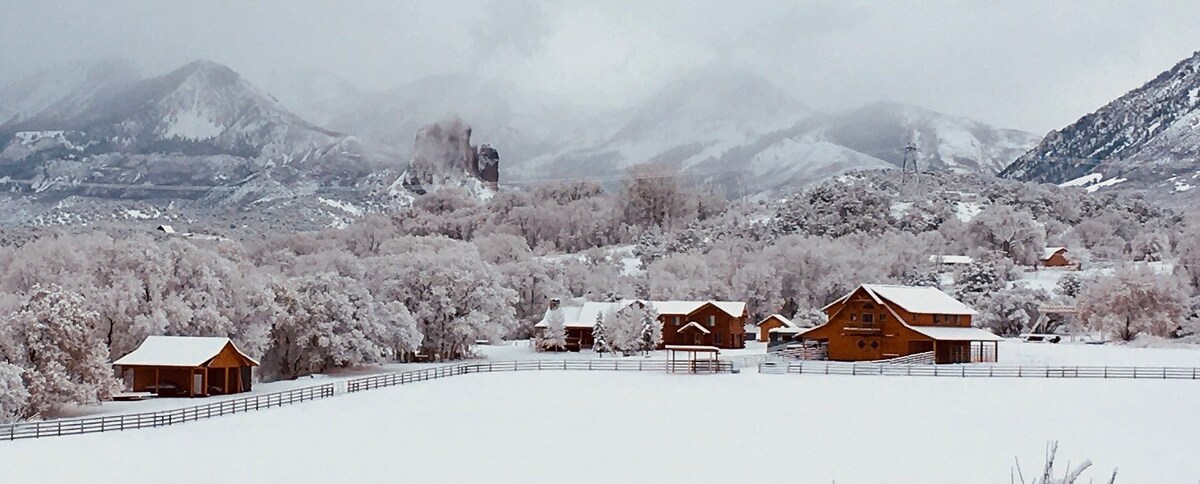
(716, 338)
(712, 320)
(676, 320)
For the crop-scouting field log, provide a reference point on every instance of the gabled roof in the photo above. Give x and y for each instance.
(683, 308)
(693, 324)
(1049, 252)
(951, 259)
(183, 351)
(787, 323)
(914, 299)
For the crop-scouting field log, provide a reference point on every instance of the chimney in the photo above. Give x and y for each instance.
(554, 303)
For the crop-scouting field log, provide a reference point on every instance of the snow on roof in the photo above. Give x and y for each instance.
(786, 322)
(585, 316)
(189, 351)
(693, 324)
(919, 299)
(942, 333)
(166, 229)
(731, 308)
(951, 259)
(792, 330)
(1049, 252)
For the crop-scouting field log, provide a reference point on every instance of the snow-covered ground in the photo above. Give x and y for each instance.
(603, 427)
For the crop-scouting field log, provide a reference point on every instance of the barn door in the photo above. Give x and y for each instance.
(197, 384)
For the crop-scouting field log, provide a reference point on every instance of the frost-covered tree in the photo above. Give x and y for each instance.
(554, 336)
(14, 398)
(977, 280)
(651, 334)
(1009, 311)
(653, 196)
(1070, 285)
(925, 278)
(329, 321)
(1133, 301)
(1013, 232)
(455, 297)
(1187, 252)
(1150, 246)
(63, 359)
(600, 336)
(624, 326)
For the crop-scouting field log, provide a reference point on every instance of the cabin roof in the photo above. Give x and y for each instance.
(914, 299)
(693, 324)
(942, 333)
(786, 322)
(187, 351)
(585, 316)
(951, 259)
(1049, 252)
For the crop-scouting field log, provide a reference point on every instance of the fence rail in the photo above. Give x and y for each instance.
(111, 423)
(991, 371)
(393, 379)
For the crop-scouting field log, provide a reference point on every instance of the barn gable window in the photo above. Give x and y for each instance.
(853, 317)
(868, 306)
(868, 318)
(712, 320)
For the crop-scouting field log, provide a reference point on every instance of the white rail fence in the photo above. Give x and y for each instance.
(987, 371)
(113, 423)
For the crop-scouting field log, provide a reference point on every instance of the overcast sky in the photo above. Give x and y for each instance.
(1032, 65)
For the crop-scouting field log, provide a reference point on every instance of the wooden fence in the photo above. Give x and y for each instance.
(393, 379)
(112, 423)
(989, 371)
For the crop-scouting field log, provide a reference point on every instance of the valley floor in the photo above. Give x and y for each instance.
(601, 427)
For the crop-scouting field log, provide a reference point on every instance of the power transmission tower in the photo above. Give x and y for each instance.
(910, 159)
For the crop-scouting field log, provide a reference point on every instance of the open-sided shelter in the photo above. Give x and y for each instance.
(187, 366)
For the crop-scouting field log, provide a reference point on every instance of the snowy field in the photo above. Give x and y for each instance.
(581, 427)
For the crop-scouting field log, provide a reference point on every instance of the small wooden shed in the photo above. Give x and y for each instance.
(1054, 257)
(771, 322)
(187, 366)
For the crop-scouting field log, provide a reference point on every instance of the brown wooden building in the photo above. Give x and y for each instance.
(186, 366)
(771, 322)
(876, 322)
(705, 323)
(1055, 257)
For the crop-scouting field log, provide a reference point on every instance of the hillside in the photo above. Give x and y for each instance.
(1147, 138)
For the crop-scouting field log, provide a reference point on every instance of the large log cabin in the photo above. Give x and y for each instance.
(1055, 257)
(707, 323)
(877, 322)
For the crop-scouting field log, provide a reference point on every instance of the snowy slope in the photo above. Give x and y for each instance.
(60, 94)
(1148, 136)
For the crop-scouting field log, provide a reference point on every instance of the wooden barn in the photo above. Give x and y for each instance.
(876, 322)
(706, 323)
(186, 366)
(1055, 257)
(771, 322)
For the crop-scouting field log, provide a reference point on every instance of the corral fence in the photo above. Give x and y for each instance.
(393, 379)
(987, 371)
(162, 418)
(112, 423)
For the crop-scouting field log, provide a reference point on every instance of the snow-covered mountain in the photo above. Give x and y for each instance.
(201, 125)
(1150, 137)
(56, 95)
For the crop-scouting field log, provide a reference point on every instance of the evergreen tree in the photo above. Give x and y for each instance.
(651, 330)
(554, 337)
(600, 341)
(976, 281)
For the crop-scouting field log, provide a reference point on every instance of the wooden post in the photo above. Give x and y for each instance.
(226, 387)
(156, 387)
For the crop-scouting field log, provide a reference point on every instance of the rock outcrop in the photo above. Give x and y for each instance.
(443, 156)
